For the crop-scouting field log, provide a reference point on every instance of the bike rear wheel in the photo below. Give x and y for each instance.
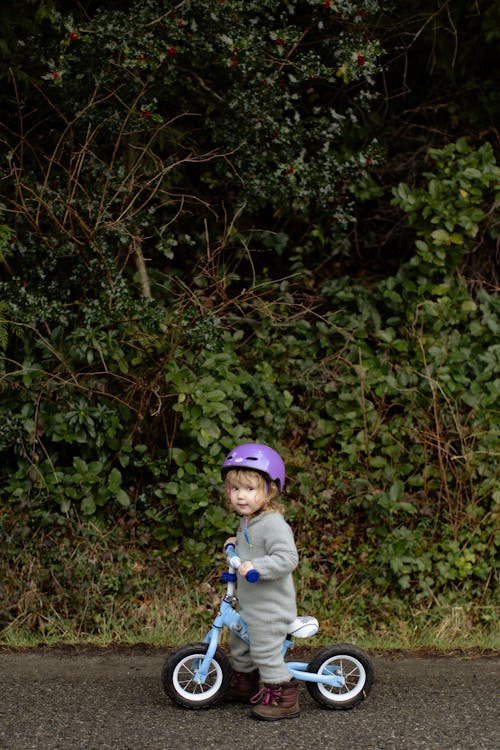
(351, 663)
(179, 671)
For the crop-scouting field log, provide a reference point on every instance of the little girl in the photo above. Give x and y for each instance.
(254, 475)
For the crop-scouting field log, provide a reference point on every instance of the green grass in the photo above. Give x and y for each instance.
(182, 612)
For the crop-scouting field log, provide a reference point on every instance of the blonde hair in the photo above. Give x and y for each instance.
(267, 488)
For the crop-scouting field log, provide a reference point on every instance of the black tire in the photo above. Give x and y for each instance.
(355, 666)
(178, 671)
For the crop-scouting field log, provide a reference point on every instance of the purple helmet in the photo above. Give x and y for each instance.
(257, 457)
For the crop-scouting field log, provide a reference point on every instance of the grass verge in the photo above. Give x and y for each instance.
(182, 612)
(84, 585)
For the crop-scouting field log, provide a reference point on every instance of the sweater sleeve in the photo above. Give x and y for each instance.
(281, 555)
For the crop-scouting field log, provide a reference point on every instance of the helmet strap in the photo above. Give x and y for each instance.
(245, 531)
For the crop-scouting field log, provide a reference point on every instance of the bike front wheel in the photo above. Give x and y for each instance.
(349, 662)
(179, 671)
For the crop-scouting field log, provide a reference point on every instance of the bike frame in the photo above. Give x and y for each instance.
(229, 618)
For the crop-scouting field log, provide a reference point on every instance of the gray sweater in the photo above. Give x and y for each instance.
(273, 552)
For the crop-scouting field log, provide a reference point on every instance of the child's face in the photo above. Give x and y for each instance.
(246, 493)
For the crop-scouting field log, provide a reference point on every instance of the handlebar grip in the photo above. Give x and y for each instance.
(252, 576)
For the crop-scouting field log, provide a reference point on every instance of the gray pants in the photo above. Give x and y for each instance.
(264, 653)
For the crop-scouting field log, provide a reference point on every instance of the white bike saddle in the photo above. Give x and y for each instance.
(303, 627)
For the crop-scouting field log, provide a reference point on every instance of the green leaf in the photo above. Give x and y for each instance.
(114, 480)
(88, 506)
(179, 456)
(396, 490)
(123, 498)
(441, 237)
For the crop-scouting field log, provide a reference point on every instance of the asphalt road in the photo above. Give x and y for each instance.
(113, 700)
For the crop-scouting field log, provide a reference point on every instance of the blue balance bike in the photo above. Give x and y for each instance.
(198, 675)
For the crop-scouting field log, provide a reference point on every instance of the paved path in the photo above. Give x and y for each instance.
(113, 700)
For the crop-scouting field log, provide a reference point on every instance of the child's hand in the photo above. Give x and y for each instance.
(245, 567)
(230, 540)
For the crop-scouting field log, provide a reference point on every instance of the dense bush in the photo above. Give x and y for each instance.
(384, 403)
(160, 132)
(154, 312)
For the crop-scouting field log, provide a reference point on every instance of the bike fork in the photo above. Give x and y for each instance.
(212, 638)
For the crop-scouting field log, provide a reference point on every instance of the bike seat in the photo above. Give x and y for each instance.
(303, 627)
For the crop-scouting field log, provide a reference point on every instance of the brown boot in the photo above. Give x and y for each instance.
(275, 702)
(243, 686)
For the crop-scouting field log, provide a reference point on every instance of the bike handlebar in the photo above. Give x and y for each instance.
(234, 562)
